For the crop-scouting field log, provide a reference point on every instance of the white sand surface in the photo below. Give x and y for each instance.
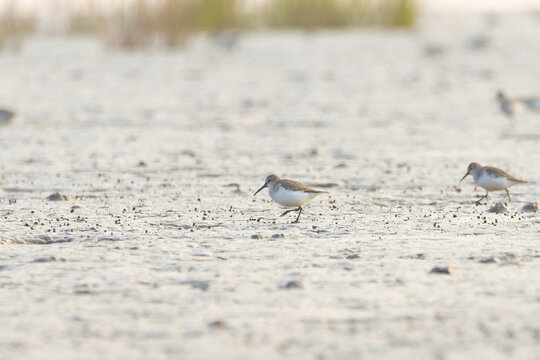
(156, 255)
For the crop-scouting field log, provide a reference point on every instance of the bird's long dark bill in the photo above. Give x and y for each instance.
(259, 189)
(467, 174)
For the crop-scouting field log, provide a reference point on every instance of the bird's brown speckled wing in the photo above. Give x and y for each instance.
(496, 172)
(297, 186)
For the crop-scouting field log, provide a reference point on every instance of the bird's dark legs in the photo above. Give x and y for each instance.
(508, 193)
(482, 198)
(299, 209)
(288, 211)
(298, 217)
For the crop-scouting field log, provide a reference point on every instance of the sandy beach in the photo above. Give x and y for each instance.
(159, 250)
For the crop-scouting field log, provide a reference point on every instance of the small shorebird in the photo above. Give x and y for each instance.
(289, 193)
(491, 179)
(510, 107)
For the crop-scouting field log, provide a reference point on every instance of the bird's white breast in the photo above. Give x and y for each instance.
(290, 198)
(491, 183)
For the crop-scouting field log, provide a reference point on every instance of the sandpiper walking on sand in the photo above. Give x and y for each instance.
(289, 193)
(491, 179)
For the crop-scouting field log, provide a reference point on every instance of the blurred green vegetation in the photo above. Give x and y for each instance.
(308, 13)
(403, 13)
(171, 22)
(176, 19)
(167, 21)
(340, 13)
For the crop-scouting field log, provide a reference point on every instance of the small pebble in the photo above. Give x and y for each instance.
(478, 42)
(197, 284)
(48, 259)
(294, 284)
(218, 325)
(83, 289)
(442, 270)
(508, 258)
(434, 50)
(58, 197)
(512, 258)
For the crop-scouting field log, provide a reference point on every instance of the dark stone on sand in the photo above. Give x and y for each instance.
(510, 258)
(58, 197)
(442, 270)
(479, 42)
(294, 284)
(489, 260)
(236, 186)
(434, 50)
(84, 289)
(256, 236)
(278, 236)
(418, 256)
(530, 207)
(48, 259)
(498, 208)
(197, 284)
(218, 325)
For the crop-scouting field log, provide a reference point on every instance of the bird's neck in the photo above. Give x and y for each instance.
(273, 186)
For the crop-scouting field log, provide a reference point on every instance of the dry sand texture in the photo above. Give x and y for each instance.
(162, 252)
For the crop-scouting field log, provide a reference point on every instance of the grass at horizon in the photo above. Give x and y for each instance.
(170, 23)
(13, 24)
